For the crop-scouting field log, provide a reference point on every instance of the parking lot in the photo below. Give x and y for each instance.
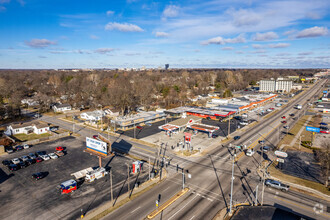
(25, 198)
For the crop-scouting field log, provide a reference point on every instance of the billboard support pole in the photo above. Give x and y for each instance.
(100, 161)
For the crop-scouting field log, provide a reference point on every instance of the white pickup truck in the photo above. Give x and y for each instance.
(277, 185)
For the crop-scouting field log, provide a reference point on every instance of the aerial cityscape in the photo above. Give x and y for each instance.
(146, 109)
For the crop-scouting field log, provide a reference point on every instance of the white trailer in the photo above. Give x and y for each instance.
(82, 173)
(95, 174)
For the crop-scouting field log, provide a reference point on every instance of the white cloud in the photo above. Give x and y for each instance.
(287, 33)
(171, 11)
(245, 18)
(257, 46)
(265, 36)
(94, 37)
(239, 52)
(109, 13)
(124, 27)
(40, 43)
(305, 53)
(161, 34)
(227, 48)
(222, 41)
(279, 45)
(103, 50)
(313, 32)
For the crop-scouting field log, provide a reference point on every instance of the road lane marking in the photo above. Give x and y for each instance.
(182, 208)
(192, 218)
(166, 188)
(135, 209)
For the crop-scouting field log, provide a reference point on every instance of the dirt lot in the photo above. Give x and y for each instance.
(24, 198)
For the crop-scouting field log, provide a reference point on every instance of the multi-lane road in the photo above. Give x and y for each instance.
(210, 185)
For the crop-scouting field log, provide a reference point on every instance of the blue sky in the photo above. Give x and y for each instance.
(186, 33)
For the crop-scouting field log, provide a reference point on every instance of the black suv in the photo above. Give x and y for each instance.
(22, 164)
(13, 167)
(6, 162)
(38, 176)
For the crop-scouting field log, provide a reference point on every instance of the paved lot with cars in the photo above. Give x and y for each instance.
(23, 197)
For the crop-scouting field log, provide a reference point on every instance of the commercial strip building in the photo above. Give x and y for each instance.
(199, 112)
(129, 121)
(179, 124)
(278, 85)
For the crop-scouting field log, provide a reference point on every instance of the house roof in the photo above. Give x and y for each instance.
(30, 124)
(62, 105)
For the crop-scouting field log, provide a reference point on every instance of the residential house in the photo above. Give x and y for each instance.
(62, 107)
(27, 128)
(92, 116)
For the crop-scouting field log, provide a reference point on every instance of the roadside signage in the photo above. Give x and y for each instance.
(280, 160)
(281, 154)
(313, 129)
(96, 145)
(325, 91)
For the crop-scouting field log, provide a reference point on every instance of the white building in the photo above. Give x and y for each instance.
(62, 107)
(92, 116)
(27, 128)
(272, 85)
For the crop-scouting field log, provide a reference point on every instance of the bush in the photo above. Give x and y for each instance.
(307, 144)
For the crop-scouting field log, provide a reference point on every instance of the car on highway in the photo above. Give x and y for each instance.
(272, 108)
(19, 147)
(53, 156)
(26, 146)
(45, 157)
(292, 115)
(16, 160)
(283, 117)
(24, 158)
(249, 152)
(13, 167)
(6, 162)
(39, 159)
(237, 138)
(59, 148)
(38, 176)
(277, 185)
(32, 156)
(262, 142)
(22, 164)
(284, 122)
(243, 123)
(286, 127)
(265, 148)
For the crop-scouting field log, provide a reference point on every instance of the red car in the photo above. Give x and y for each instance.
(271, 108)
(59, 148)
(95, 136)
(283, 122)
(283, 117)
(38, 159)
(325, 132)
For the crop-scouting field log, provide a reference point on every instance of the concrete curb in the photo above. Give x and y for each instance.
(167, 203)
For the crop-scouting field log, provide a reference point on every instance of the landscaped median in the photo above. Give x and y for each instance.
(167, 203)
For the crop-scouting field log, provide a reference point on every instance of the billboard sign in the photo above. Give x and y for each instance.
(313, 129)
(325, 91)
(281, 153)
(97, 146)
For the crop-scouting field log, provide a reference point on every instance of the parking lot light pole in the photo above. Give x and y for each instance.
(111, 185)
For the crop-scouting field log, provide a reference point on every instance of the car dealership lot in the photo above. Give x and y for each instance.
(23, 197)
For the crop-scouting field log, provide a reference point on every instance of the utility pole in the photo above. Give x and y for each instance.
(111, 185)
(232, 183)
(256, 202)
(134, 130)
(149, 168)
(183, 179)
(263, 188)
(128, 178)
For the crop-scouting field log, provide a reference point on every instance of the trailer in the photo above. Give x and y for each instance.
(95, 174)
(82, 173)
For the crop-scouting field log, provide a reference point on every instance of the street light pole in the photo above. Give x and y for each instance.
(232, 183)
(183, 179)
(263, 188)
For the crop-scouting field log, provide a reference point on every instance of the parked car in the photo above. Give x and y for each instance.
(24, 158)
(325, 131)
(30, 161)
(38, 176)
(19, 147)
(243, 123)
(39, 159)
(13, 167)
(10, 150)
(39, 153)
(54, 129)
(272, 108)
(16, 160)
(237, 137)
(22, 164)
(95, 136)
(59, 153)
(53, 156)
(6, 162)
(26, 146)
(45, 157)
(32, 156)
(277, 185)
(249, 152)
(59, 148)
(265, 148)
